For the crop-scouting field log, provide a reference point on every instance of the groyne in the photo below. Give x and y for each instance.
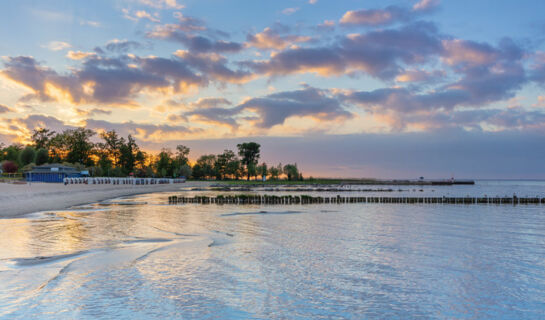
(243, 199)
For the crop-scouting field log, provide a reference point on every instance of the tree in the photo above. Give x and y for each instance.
(275, 172)
(140, 159)
(252, 170)
(27, 156)
(11, 153)
(9, 167)
(185, 171)
(234, 169)
(206, 164)
(262, 170)
(222, 163)
(182, 153)
(42, 156)
(249, 151)
(163, 163)
(41, 138)
(111, 145)
(79, 146)
(291, 171)
(127, 154)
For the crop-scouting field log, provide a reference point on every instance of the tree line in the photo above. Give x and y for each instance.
(116, 156)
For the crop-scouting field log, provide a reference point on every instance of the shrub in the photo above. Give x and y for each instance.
(9, 167)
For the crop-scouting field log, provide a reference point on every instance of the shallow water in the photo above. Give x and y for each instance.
(139, 258)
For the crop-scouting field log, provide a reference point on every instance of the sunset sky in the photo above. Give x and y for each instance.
(344, 88)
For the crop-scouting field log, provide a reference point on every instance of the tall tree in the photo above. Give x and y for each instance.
(182, 153)
(112, 144)
(42, 156)
(27, 156)
(127, 154)
(222, 163)
(249, 151)
(79, 146)
(206, 163)
(41, 138)
(291, 171)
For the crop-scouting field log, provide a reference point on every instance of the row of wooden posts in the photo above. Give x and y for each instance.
(304, 199)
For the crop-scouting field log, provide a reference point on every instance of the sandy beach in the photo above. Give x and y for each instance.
(19, 199)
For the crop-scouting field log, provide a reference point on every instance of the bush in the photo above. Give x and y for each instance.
(42, 157)
(27, 156)
(9, 167)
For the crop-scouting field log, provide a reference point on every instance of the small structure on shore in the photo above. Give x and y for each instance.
(51, 173)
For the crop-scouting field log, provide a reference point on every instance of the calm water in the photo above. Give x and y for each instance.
(150, 260)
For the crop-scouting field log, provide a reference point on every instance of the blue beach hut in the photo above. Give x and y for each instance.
(54, 173)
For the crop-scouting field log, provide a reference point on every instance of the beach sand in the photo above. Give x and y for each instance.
(19, 199)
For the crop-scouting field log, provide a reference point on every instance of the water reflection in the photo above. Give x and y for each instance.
(151, 260)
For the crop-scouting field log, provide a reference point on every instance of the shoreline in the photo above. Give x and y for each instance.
(18, 200)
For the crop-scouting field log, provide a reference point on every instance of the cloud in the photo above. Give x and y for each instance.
(143, 132)
(162, 4)
(215, 66)
(92, 112)
(140, 14)
(271, 39)
(274, 109)
(375, 17)
(426, 5)
(57, 45)
(411, 76)
(193, 33)
(79, 55)
(381, 53)
(5, 109)
(119, 80)
(90, 23)
(122, 46)
(312, 1)
(290, 11)
(206, 103)
(387, 16)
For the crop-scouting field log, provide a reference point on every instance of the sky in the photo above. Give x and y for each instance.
(384, 89)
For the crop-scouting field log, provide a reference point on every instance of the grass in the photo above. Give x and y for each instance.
(279, 182)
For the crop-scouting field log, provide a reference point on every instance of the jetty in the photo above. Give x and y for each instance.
(244, 199)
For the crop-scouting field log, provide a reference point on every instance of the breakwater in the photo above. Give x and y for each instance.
(305, 199)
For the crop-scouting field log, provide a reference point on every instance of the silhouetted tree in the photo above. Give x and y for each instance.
(249, 151)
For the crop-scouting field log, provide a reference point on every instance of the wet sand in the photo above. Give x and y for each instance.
(21, 199)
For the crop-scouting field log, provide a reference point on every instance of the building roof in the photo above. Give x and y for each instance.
(54, 168)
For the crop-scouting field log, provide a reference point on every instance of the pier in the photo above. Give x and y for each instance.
(304, 199)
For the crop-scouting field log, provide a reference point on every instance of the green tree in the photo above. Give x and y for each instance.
(206, 163)
(262, 170)
(222, 163)
(185, 171)
(275, 172)
(291, 171)
(234, 168)
(42, 156)
(163, 164)
(27, 156)
(79, 146)
(127, 154)
(249, 151)
(11, 152)
(41, 138)
(112, 143)
(182, 153)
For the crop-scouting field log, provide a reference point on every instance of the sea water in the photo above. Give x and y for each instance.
(140, 258)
